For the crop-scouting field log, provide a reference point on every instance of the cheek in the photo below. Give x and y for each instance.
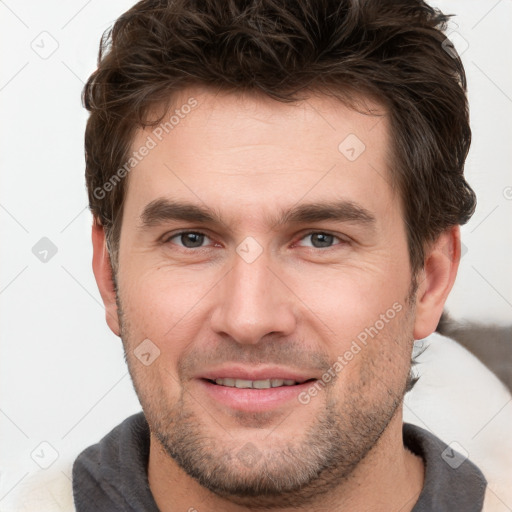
(157, 320)
(362, 318)
(156, 300)
(166, 306)
(375, 363)
(351, 299)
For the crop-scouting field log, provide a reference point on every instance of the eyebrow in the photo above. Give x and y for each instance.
(164, 210)
(341, 211)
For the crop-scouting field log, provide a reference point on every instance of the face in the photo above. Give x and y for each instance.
(264, 291)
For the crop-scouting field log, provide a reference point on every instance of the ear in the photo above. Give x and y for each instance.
(437, 277)
(102, 269)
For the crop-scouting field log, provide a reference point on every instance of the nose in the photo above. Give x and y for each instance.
(252, 302)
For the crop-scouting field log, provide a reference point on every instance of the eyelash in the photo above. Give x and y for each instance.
(341, 241)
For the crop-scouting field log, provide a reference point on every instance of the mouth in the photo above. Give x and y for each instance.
(232, 382)
(261, 393)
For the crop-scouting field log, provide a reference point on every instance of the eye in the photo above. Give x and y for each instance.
(188, 239)
(319, 240)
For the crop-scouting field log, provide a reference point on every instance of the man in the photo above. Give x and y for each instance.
(277, 191)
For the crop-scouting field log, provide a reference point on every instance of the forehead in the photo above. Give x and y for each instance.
(250, 154)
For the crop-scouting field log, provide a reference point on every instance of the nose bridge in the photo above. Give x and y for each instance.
(252, 303)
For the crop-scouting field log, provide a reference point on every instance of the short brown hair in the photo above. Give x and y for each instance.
(393, 50)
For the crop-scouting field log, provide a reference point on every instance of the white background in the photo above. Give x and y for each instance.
(63, 379)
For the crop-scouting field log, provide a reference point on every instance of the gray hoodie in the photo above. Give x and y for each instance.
(111, 476)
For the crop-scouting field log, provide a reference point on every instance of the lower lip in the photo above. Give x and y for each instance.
(254, 400)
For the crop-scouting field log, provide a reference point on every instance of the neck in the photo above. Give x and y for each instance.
(389, 478)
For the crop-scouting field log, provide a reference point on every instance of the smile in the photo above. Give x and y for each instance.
(255, 384)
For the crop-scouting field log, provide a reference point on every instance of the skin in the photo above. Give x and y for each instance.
(250, 158)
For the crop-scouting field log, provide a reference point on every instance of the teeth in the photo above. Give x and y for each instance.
(254, 384)
(241, 383)
(261, 384)
(226, 382)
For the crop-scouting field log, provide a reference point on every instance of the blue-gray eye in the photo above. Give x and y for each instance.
(319, 240)
(189, 239)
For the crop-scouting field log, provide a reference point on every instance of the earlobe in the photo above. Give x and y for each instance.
(441, 264)
(102, 269)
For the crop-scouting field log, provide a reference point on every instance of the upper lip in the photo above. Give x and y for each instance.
(260, 373)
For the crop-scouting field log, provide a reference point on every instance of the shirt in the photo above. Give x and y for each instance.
(112, 476)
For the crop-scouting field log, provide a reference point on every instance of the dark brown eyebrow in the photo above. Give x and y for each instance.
(162, 210)
(341, 211)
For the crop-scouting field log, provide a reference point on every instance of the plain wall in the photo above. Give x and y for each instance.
(63, 379)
